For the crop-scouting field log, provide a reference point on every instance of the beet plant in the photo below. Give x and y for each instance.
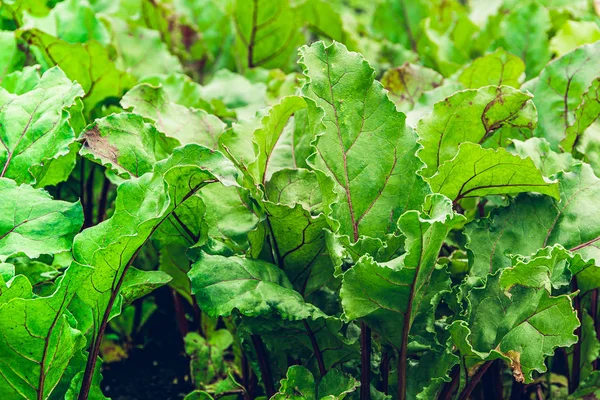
(302, 199)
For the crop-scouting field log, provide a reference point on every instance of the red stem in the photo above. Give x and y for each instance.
(316, 350)
(450, 387)
(182, 322)
(263, 363)
(474, 381)
(365, 362)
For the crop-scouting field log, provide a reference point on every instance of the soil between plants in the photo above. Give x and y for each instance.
(157, 370)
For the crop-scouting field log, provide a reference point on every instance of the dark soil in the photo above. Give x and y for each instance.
(156, 371)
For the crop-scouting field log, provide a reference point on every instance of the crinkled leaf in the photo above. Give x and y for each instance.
(126, 144)
(35, 126)
(187, 125)
(253, 287)
(476, 171)
(22, 81)
(547, 161)
(388, 296)
(585, 114)
(370, 194)
(268, 135)
(32, 223)
(471, 116)
(560, 89)
(518, 321)
(39, 340)
(531, 222)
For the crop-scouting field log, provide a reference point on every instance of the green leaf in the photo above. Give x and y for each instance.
(326, 21)
(142, 204)
(187, 125)
(268, 135)
(211, 18)
(35, 126)
(547, 161)
(497, 68)
(179, 89)
(335, 385)
(236, 92)
(11, 59)
(229, 219)
(516, 320)
(369, 194)
(23, 81)
(572, 35)
(138, 283)
(478, 172)
(560, 90)
(141, 51)
(90, 64)
(33, 223)
(207, 362)
(40, 338)
(471, 116)
(389, 296)
(523, 31)
(407, 83)
(253, 287)
(585, 114)
(299, 384)
(73, 21)
(296, 228)
(399, 21)
(591, 387)
(531, 222)
(126, 144)
(267, 32)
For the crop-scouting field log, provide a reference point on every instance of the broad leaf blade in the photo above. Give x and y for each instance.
(471, 116)
(35, 126)
(476, 171)
(370, 194)
(33, 223)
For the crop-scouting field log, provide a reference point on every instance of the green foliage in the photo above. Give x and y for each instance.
(343, 199)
